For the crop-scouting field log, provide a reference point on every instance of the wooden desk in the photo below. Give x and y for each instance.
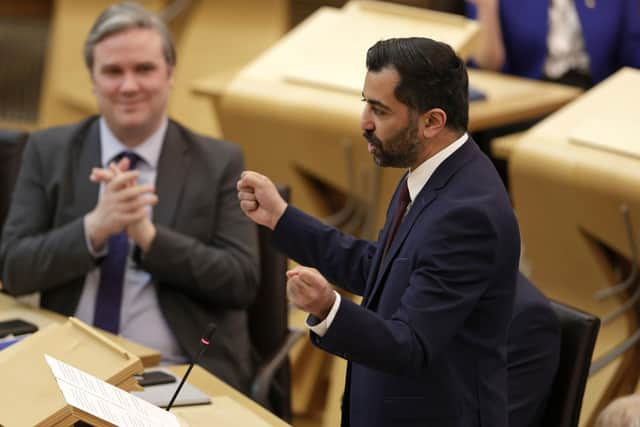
(568, 194)
(513, 99)
(503, 146)
(212, 386)
(10, 308)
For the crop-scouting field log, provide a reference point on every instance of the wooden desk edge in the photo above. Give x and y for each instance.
(213, 386)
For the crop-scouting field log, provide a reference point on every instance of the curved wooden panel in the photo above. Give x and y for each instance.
(568, 195)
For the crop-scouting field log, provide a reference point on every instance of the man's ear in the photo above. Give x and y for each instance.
(434, 121)
(171, 74)
(93, 82)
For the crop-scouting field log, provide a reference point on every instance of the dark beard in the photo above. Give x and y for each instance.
(401, 150)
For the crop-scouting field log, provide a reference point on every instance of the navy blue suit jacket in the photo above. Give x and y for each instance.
(428, 345)
(533, 353)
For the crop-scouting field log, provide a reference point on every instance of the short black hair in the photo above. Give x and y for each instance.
(431, 76)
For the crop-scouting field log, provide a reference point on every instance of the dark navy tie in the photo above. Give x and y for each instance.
(398, 215)
(112, 269)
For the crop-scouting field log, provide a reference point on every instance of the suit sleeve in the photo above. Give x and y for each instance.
(342, 259)
(36, 257)
(222, 272)
(452, 268)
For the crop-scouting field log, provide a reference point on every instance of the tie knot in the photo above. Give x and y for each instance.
(133, 158)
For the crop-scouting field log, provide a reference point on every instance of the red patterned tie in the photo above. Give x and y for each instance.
(398, 215)
(109, 298)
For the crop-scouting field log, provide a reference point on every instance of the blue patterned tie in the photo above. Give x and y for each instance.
(112, 269)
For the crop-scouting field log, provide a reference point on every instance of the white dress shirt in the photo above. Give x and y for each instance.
(566, 49)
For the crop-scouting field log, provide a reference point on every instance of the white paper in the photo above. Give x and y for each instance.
(102, 400)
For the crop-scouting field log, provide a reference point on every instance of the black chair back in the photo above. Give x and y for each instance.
(579, 331)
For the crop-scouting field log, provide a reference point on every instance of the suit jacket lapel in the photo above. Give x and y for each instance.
(173, 167)
(85, 155)
(426, 196)
(377, 257)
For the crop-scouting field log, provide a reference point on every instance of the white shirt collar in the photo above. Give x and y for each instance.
(149, 150)
(419, 176)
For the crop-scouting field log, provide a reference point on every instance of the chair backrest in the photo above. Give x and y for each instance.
(579, 331)
(11, 146)
(268, 317)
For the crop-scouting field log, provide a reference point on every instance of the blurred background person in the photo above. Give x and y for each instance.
(577, 42)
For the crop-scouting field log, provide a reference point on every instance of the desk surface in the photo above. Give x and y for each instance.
(11, 308)
(513, 99)
(212, 386)
(330, 79)
(339, 65)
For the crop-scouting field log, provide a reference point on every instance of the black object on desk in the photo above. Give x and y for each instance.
(155, 377)
(16, 327)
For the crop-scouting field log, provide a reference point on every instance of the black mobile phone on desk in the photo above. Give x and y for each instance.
(155, 377)
(16, 327)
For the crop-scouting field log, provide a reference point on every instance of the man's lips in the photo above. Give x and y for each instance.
(131, 103)
(373, 144)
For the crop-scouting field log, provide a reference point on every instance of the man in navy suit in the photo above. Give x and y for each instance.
(427, 347)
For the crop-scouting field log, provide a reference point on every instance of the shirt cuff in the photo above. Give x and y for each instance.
(92, 251)
(320, 327)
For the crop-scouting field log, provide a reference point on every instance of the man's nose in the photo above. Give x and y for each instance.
(129, 83)
(366, 122)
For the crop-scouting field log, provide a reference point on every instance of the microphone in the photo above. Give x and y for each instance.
(205, 341)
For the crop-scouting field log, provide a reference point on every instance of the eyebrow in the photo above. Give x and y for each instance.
(376, 103)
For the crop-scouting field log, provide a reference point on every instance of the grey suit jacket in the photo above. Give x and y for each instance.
(203, 260)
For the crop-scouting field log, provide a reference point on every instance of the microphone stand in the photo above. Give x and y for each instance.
(205, 341)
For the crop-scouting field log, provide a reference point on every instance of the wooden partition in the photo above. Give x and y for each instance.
(572, 176)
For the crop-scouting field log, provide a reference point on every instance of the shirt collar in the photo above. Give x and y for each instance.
(149, 150)
(419, 176)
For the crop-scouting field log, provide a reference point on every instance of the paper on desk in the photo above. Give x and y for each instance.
(102, 400)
